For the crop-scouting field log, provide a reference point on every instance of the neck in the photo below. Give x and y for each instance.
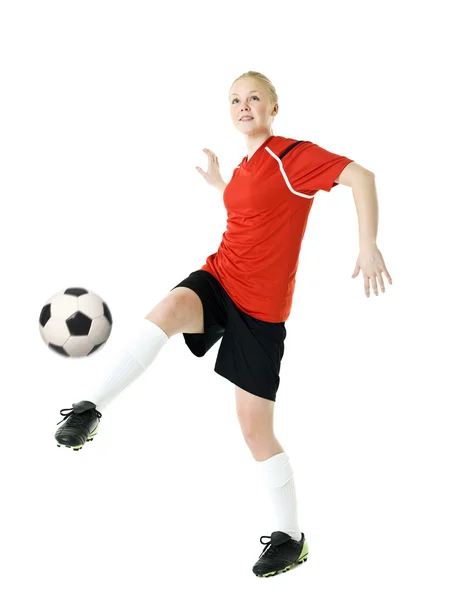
(254, 141)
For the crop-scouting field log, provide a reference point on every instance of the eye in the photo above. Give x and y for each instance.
(250, 98)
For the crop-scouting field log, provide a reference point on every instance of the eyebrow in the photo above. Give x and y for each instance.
(234, 94)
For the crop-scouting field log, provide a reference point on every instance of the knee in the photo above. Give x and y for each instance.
(181, 311)
(256, 431)
(166, 314)
(262, 444)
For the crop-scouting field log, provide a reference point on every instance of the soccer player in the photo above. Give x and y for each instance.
(242, 295)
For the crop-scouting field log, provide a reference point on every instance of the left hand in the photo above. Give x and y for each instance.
(371, 262)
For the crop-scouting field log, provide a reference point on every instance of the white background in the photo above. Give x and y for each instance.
(105, 110)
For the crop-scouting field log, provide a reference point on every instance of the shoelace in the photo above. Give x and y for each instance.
(268, 551)
(77, 417)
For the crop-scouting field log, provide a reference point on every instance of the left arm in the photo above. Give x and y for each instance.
(370, 260)
(365, 199)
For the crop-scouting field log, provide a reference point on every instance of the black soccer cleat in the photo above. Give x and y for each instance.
(81, 425)
(281, 553)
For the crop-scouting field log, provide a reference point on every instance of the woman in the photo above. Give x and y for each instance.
(243, 295)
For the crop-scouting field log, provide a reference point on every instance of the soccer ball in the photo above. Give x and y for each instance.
(75, 322)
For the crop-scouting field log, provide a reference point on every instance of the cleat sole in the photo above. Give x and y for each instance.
(302, 558)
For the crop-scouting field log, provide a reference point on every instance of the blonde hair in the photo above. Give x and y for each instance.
(265, 81)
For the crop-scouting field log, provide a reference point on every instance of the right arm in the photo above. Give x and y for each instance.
(213, 176)
(220, 186)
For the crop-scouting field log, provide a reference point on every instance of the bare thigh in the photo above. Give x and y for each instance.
(181, 311)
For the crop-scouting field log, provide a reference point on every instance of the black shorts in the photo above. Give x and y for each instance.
(251, 350)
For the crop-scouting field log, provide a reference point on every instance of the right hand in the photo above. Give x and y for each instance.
(212, 176)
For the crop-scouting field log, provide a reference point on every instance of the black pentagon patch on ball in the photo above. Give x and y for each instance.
(79, 324)
(45, 315)
(107, 313)
(75, 291)
(95, 348)
(58, 349)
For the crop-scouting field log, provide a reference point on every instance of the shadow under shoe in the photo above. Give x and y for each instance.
(81, 425)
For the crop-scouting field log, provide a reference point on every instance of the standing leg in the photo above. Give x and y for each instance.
(255, 416)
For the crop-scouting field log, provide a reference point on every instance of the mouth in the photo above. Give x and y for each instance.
(246, 119)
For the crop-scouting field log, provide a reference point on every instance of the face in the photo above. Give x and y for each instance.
(249, 97)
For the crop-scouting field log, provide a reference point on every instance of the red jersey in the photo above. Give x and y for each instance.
(268, 201)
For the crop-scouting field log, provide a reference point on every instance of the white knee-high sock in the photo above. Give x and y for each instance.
(124, 362)
(277, 477)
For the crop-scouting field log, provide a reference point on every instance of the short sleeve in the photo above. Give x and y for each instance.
(310, 167)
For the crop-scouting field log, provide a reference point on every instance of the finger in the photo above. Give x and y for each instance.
(356, 271)
(366, 278)
(384, 269)
(210, 154)
(381, 281)
(374, 284)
